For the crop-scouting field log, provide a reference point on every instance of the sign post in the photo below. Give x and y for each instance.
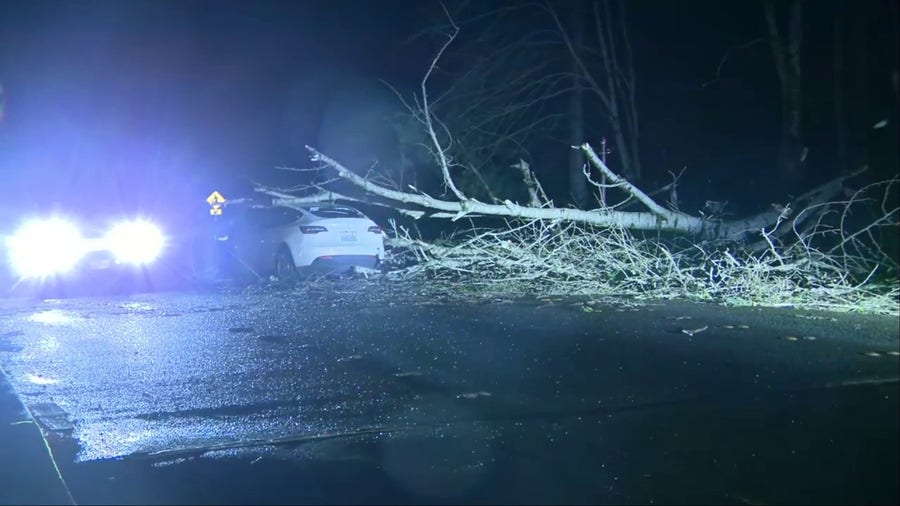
(215, 201)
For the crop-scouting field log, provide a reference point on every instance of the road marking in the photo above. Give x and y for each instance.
(31, 419)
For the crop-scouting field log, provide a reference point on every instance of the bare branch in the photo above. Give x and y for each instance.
(745, 45)
(426, 111)
(586, 74)
(625, 185)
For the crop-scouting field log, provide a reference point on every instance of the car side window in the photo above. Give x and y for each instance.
(261, 218)
(281, 216)
(257, 218)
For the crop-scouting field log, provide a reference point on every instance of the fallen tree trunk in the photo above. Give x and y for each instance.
(655, 218)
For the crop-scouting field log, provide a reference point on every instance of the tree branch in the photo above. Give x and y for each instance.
(439, 150)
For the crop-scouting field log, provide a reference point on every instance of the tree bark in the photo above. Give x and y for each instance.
(787, 63)
(578, 190)
(611, 69)
(840, 114)
(627, 83)
(894, 42)
(860, 123)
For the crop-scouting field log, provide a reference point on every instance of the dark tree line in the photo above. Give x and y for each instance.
(524, 81)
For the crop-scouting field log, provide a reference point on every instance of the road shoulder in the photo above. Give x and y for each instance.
(28, 473)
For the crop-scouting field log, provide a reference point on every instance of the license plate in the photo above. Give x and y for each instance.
(348, 236)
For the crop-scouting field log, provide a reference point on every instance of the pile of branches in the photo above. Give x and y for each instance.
(824, 266)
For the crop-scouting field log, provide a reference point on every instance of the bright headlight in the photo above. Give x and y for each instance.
(45, 247)
(136, 242)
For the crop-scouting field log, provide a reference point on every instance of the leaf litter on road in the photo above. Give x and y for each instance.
(473, 395)
(409, 374)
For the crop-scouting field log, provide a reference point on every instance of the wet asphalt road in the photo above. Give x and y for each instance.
(324, 398)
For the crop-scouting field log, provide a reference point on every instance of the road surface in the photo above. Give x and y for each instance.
(332, 397)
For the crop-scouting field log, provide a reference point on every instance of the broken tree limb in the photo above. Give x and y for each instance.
(657, 218)
(536, 195)
(281, 198)
(631, 220)
(812, 199)
(627, 187)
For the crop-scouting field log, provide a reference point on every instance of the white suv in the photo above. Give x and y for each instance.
(328, 238)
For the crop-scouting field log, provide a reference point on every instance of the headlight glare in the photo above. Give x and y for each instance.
(135, 242)
(42, 248)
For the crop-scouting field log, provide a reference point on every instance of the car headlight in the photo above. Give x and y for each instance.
(42, 248)
(135, 242)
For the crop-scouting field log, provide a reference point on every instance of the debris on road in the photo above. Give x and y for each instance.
(691, 332)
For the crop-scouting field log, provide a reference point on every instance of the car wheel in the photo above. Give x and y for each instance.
(284, 264)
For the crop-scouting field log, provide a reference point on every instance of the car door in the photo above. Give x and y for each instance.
(280, 225)
(259, 234)
(250, 240)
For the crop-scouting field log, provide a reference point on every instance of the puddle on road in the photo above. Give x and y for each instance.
(37, 379)
(137, 306)
(55, 317)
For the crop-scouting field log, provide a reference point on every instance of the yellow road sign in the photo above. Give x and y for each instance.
(216, 210)
(215, 198)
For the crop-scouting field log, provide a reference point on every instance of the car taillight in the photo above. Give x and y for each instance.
(306, 229)
(375, 230)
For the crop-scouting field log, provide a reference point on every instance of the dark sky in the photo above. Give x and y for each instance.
(147, 101)
(135, 93)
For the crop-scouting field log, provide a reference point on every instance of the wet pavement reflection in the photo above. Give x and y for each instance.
(309, 397)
